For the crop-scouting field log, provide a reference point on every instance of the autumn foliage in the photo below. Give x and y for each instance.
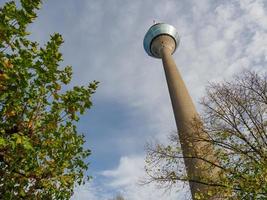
(41, 153)
(234, 122)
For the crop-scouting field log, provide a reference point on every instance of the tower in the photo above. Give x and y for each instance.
(161, 41)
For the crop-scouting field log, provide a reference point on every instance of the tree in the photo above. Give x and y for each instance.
(41, 153)
(118, 197)
(235, 123)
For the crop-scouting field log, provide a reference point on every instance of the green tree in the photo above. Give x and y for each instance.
(41, 153)
(235, 123)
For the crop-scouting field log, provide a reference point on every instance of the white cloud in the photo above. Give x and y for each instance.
(126, 178)
(129, 170)
(89, 191)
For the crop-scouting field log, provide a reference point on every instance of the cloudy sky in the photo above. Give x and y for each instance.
(103, 41)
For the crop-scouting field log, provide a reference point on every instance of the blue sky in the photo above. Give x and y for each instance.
(103, 41)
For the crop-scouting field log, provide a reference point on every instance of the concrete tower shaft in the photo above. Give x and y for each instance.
(162, 45)
(184, 113)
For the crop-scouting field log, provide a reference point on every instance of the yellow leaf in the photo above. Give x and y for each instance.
(2, 87)
(58, 87)
(7, 63)
(210, 193)
(3, 77)
(19, 140)
(10, 113)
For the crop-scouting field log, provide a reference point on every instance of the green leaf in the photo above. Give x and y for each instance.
(2, 142)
